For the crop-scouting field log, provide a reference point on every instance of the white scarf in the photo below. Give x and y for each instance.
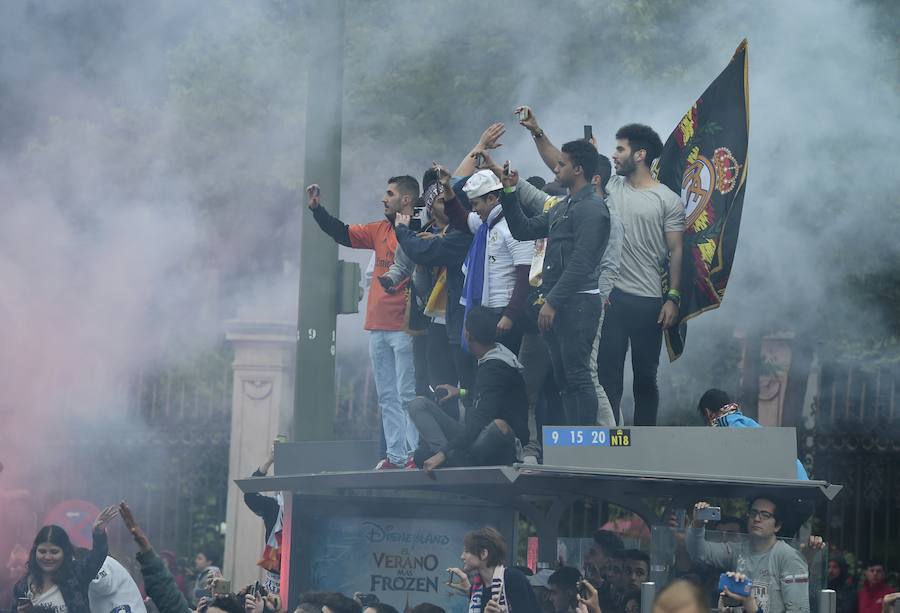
(498, 591)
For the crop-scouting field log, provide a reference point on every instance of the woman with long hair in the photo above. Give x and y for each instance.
(55, 579)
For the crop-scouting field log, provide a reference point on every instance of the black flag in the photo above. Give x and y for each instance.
(705, 160)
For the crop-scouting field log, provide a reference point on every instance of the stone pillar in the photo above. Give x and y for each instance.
(261, 408)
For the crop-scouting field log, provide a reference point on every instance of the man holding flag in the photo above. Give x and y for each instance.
(653, 219)
(705, 161)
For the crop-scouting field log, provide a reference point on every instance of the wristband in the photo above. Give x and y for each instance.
(538, 134)
(674, 296)
(509, 190)
(463, 392)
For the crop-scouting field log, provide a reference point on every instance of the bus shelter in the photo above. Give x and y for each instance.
(394, 533)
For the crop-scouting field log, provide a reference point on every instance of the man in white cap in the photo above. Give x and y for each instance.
(497, 264)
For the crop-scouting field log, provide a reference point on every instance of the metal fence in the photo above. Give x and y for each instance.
(855, 441)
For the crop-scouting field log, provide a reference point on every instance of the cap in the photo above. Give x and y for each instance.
(481, 183)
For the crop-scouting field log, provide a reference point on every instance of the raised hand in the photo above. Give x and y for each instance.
(529, 122)
(491, 135)
(106, 515)
(313, 194)
(592, 600)
(140, 538)
(510, 177)
(402, 219)
(443, 173)
(462, 584)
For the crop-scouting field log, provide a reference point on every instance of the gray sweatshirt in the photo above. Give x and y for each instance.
(780, 575)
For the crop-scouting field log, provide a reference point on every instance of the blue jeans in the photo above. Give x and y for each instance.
(395, 382)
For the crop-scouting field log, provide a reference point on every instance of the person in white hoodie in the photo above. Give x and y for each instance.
(114, 591)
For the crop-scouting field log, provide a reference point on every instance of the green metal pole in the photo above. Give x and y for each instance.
(314, 393)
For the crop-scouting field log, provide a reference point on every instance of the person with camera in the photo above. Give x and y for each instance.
(56, 580)
(577, 230)
(446, 251)
(497, 264)
(779, 573)
(496, 426)
(495, 588)
(390, 347)
(564, 585)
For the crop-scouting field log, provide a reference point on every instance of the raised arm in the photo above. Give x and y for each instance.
(521, 227)
(488, 140)
(547, 150)
(438, 251)
(718, 555)
(332, 226)
(87, 568)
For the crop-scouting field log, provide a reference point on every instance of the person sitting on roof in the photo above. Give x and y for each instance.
(719, 410)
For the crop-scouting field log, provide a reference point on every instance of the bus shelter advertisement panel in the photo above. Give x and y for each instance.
(402, 561)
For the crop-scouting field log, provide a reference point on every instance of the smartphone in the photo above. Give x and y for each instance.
(582, 590)
(588, 132)
(221, 586)
(479, 160)
(709, 514)
(680, 517)
(740, 588)
(24, 602)
(256, 589)
(439, 394)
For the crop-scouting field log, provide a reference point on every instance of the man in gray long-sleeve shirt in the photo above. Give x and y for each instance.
(779, 573)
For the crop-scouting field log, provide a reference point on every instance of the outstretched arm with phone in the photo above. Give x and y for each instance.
(547, 150)
(719, 555)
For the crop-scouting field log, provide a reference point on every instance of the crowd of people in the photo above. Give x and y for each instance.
(498, 304)
(57, 578)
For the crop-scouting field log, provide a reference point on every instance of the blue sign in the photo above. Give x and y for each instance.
(586, 437)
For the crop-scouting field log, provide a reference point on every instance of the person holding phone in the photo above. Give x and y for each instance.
(390, 347)
(779, 573)
(577, 230)
(495, 588)
(55, 579)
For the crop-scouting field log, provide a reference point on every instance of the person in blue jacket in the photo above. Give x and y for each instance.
(719, 410)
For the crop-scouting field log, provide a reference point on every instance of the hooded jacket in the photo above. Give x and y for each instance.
(499, 394)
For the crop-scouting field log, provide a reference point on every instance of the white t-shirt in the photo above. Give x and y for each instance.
(646, 214)
(113, 589)
(52, 599)
(502, 254)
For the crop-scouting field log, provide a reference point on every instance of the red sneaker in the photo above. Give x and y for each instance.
(386, 464)
(410, 464)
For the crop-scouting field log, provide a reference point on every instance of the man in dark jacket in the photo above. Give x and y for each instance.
(496, 425)
(577, 232)
(446, 249)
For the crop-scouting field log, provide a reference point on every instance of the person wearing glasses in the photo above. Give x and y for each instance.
(780, 573)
